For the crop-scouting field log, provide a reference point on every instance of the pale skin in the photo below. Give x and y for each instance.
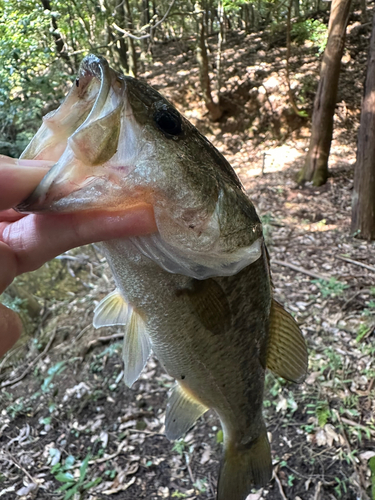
(28, 241)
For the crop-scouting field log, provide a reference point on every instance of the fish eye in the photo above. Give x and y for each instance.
(168, 121)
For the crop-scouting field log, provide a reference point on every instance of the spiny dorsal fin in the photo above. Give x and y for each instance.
(210, 304)
(137, 347)
(286, 349)
(112, 310)
(182, 412)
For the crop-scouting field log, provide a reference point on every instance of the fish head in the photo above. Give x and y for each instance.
(116, 143)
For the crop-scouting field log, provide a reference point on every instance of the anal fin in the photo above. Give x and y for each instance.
(286, 349)
(137, 347)
(182, 412)
(112, 310)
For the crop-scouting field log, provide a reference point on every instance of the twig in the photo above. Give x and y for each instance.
(356, 263)
(82, 332)
(355, 424)
(32, 364)
(364, 290)
(110, 457)
(299, 269)
(102, 340)
(152, 28)
(190, 473)
(7, 356)
(358, 471)
(276, 477)
(317, 491)
(7, 456)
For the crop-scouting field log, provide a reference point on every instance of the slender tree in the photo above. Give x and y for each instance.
(316, 165)
(363, 216)
(214, 110)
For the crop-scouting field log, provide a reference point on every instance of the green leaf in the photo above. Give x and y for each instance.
(64, 477)
(69, 462)
(71, 492)
(66, 486)
(83, 468)
(219, 436)
(92, 483)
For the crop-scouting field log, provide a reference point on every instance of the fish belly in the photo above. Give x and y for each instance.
(221, 370)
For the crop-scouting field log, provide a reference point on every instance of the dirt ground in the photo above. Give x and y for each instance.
(68, 421)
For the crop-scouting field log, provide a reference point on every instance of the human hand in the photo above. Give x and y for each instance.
(28, 241)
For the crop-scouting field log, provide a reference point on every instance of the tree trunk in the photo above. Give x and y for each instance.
(220, 41)
(145, 17)
(214, 110)
(292, 101)
(59, 42)
(316, 165)
(363, 215)
(296, 8)
(363, 11)
(120, 46)
(131, 43)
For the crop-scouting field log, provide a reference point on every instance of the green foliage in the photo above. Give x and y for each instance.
(313, 30)
(51, 373)
(340, 487)
(371, 464)
(220, 436)
(72, 486)
(323, 414)
(330, 288)
(17, 408)
(180, 446)
(29, 77)
(201, 485)
(363, 330)
(179, 494)
(15, 303)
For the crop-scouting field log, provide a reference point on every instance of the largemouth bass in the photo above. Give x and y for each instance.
(197, 292)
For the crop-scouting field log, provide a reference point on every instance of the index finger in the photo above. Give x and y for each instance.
(17, 180)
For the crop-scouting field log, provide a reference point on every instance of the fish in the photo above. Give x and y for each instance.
(198, 291)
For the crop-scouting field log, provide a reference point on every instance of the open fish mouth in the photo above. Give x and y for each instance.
(81, 136)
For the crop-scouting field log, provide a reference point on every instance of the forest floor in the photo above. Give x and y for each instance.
(64, 404)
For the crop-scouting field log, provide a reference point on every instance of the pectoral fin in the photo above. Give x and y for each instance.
(210, 304)
(286, 350)
(137, 347)
(182, 412)
(112, 310)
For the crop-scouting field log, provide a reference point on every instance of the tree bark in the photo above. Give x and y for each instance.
(287, 65)
(220, 41)
(363, 215)
(131, 45)
(316, 165)
(120, 46)
(146, 42)
(59, 42)
(214, 109)
(296, 8)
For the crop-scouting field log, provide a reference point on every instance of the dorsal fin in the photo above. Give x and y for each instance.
(182, 412)
(111, 311)
(286, 349)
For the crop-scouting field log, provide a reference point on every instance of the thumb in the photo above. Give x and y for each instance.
(10, 329)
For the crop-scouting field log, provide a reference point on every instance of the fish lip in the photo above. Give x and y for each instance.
(92, 66)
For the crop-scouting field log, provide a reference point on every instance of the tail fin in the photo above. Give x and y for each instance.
(243, 468)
